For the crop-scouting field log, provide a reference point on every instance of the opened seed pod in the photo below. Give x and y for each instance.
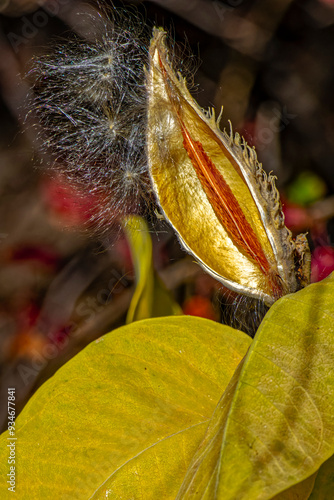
(211, 188)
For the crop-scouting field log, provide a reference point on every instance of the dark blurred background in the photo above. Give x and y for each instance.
(271, 64)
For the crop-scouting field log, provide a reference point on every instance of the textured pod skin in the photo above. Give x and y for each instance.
(223, 206)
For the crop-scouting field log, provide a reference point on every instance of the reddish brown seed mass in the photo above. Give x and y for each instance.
(223, 201)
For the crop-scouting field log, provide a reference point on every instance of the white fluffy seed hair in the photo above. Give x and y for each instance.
(90, 102)
(242, 312)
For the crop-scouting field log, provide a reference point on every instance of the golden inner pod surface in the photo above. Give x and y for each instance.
(224, 208)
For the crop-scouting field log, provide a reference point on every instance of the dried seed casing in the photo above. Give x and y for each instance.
(224, 208)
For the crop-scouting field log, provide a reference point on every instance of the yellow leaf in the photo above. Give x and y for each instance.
(274, 425)
(211, 188)
(151, 298)
(300, 491)
(123, 418)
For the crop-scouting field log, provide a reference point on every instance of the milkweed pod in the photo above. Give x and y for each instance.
(224, 208)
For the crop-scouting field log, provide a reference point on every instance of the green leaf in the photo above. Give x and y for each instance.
(123, 418)
(274, 425)
(151, 299)
(324, 483)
